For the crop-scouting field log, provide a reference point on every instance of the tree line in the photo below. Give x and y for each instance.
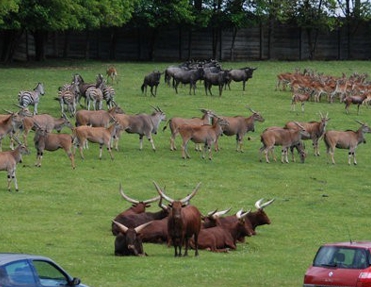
(38, 18)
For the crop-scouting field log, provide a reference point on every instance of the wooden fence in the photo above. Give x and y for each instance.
(180, 43)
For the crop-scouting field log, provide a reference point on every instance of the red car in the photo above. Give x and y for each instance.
(342, 264)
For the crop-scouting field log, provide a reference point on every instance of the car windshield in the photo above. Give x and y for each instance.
(342, 257)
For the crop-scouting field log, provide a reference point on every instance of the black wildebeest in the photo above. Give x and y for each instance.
(152, 80)
(128, 241)
(188, 77)
(184, 221)
(346, 140)
(219, 78)
(240, 75)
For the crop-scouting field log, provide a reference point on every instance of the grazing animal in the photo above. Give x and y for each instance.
(316, 130)
(145, 125)
(221, 238)
(156, 232)
(276, 136)
(240, 125)
(9, 160)
(188, 77)
(355, 100)
(346, 140)
(128, 241)
(240, 75)
(205, 134)
(44, 121)
(152, 80)
(45, 140)
(259, 217)
(67, 96)
(109, 95)
(215, 79)
(94, 95)
(300, 98)
(31, 98)
(100, 135)
(169, 73)
(98, 118)
(184, 221)
(112, 74)
(79, 81)
(9, 123)
(138, 207)
(175, 122)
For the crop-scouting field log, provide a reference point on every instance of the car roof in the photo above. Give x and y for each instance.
(357, 244)
(10, 257)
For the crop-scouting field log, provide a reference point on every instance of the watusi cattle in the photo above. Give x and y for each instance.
(184, 221)
(128, 241)
(221, 237)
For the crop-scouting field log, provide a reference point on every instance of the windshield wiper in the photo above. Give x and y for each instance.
(328, 264)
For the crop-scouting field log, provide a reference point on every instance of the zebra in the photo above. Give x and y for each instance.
(32, 98)
(68, 95)
(108, 95)
(95, 94)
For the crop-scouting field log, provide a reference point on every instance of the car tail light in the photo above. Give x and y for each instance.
(364, 279)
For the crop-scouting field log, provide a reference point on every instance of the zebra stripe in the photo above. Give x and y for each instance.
(31, 98)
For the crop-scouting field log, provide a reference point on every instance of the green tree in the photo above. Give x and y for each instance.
(354, 12)
(152, 15)
(42, 17)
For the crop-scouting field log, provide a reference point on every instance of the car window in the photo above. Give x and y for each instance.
(49, 275)
(342, 257)
(19, 274)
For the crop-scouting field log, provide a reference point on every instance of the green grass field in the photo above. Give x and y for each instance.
(66, 214)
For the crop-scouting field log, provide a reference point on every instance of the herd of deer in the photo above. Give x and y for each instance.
(105, 126)
(309, 85)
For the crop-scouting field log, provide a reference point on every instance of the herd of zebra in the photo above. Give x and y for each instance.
(69, 95)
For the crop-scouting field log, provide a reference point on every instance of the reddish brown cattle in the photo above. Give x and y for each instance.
(259, 217)
(184, 221)
(156, 232)
(222, 237)
(128, 241)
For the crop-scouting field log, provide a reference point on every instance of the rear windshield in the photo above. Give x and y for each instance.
(342, 257)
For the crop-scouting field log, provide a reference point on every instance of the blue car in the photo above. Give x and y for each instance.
(33, 271)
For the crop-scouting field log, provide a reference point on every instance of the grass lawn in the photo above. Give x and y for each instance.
(66, 214)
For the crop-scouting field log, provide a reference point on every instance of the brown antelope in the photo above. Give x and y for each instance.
(100, 135)
(239, 126)
(45, 140)
(346, 140)
(111, 72)
(175, 122)
(300, 98)
(286, 138)
(315, 129)
(100, 118)
(9, 160)
(355, 100)
(206, 134)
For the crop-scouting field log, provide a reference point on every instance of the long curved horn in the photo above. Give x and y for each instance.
(241, 215)
(259, 204)
(122, 227)
(299, 125)
(222, 212)
(127, 198)
(187, 198)
(140, 227)
(360, 122)
(163, 195)
(9, 112)
(152, 199)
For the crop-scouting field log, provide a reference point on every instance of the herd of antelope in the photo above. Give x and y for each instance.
(104, 127)
(309, 85)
